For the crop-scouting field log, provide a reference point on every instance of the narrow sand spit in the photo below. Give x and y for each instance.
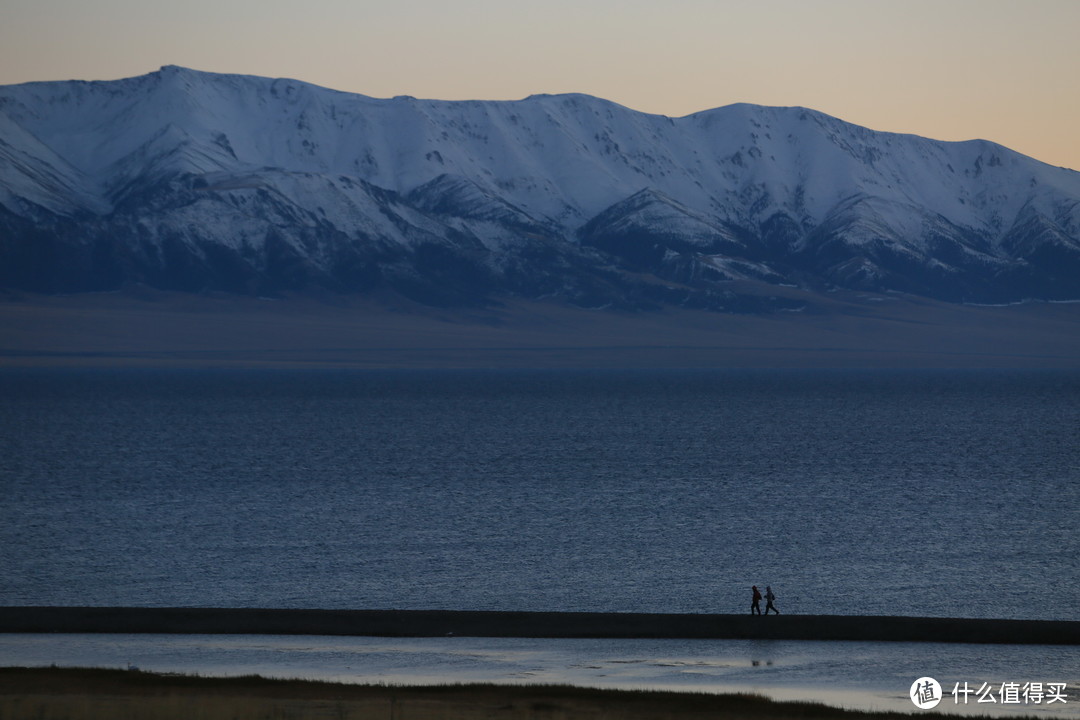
(441, 623)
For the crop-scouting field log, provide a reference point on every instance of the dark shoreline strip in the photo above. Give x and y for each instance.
(441, 623)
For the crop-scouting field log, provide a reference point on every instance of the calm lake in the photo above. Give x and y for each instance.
(896, 493)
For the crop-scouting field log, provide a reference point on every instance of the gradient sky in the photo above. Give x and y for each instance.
(1003, 70)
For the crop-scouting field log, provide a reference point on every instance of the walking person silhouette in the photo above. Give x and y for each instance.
(769, 597)
(755, 603)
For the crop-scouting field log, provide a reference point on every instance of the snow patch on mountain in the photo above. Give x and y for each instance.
(567, 182)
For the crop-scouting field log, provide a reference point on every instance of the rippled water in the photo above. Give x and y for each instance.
(942, 494)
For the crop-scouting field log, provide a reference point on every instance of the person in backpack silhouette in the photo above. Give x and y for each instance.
(769, 597)
(755, 603)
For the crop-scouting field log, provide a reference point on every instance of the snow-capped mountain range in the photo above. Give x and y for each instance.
(196, 181)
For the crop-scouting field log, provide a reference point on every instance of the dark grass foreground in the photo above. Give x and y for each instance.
(98, 694)
(438, 623)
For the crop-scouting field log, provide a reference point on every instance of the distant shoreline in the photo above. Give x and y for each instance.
(442, 623)
(841, 331)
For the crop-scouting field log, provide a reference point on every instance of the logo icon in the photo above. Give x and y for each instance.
(925, 693)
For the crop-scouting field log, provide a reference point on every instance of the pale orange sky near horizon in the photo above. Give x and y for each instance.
(1001, 70)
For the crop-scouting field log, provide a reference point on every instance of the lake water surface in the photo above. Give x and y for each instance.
(897, 493)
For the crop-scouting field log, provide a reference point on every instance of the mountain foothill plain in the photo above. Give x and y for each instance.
(192, 182)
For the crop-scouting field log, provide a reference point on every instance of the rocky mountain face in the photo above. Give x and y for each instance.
(194, 181)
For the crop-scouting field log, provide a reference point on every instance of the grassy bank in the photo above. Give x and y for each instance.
(98, 694)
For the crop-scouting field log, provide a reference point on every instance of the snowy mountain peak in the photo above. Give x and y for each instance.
(240, 174)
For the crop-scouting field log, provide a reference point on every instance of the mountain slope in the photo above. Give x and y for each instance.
(188, 180)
